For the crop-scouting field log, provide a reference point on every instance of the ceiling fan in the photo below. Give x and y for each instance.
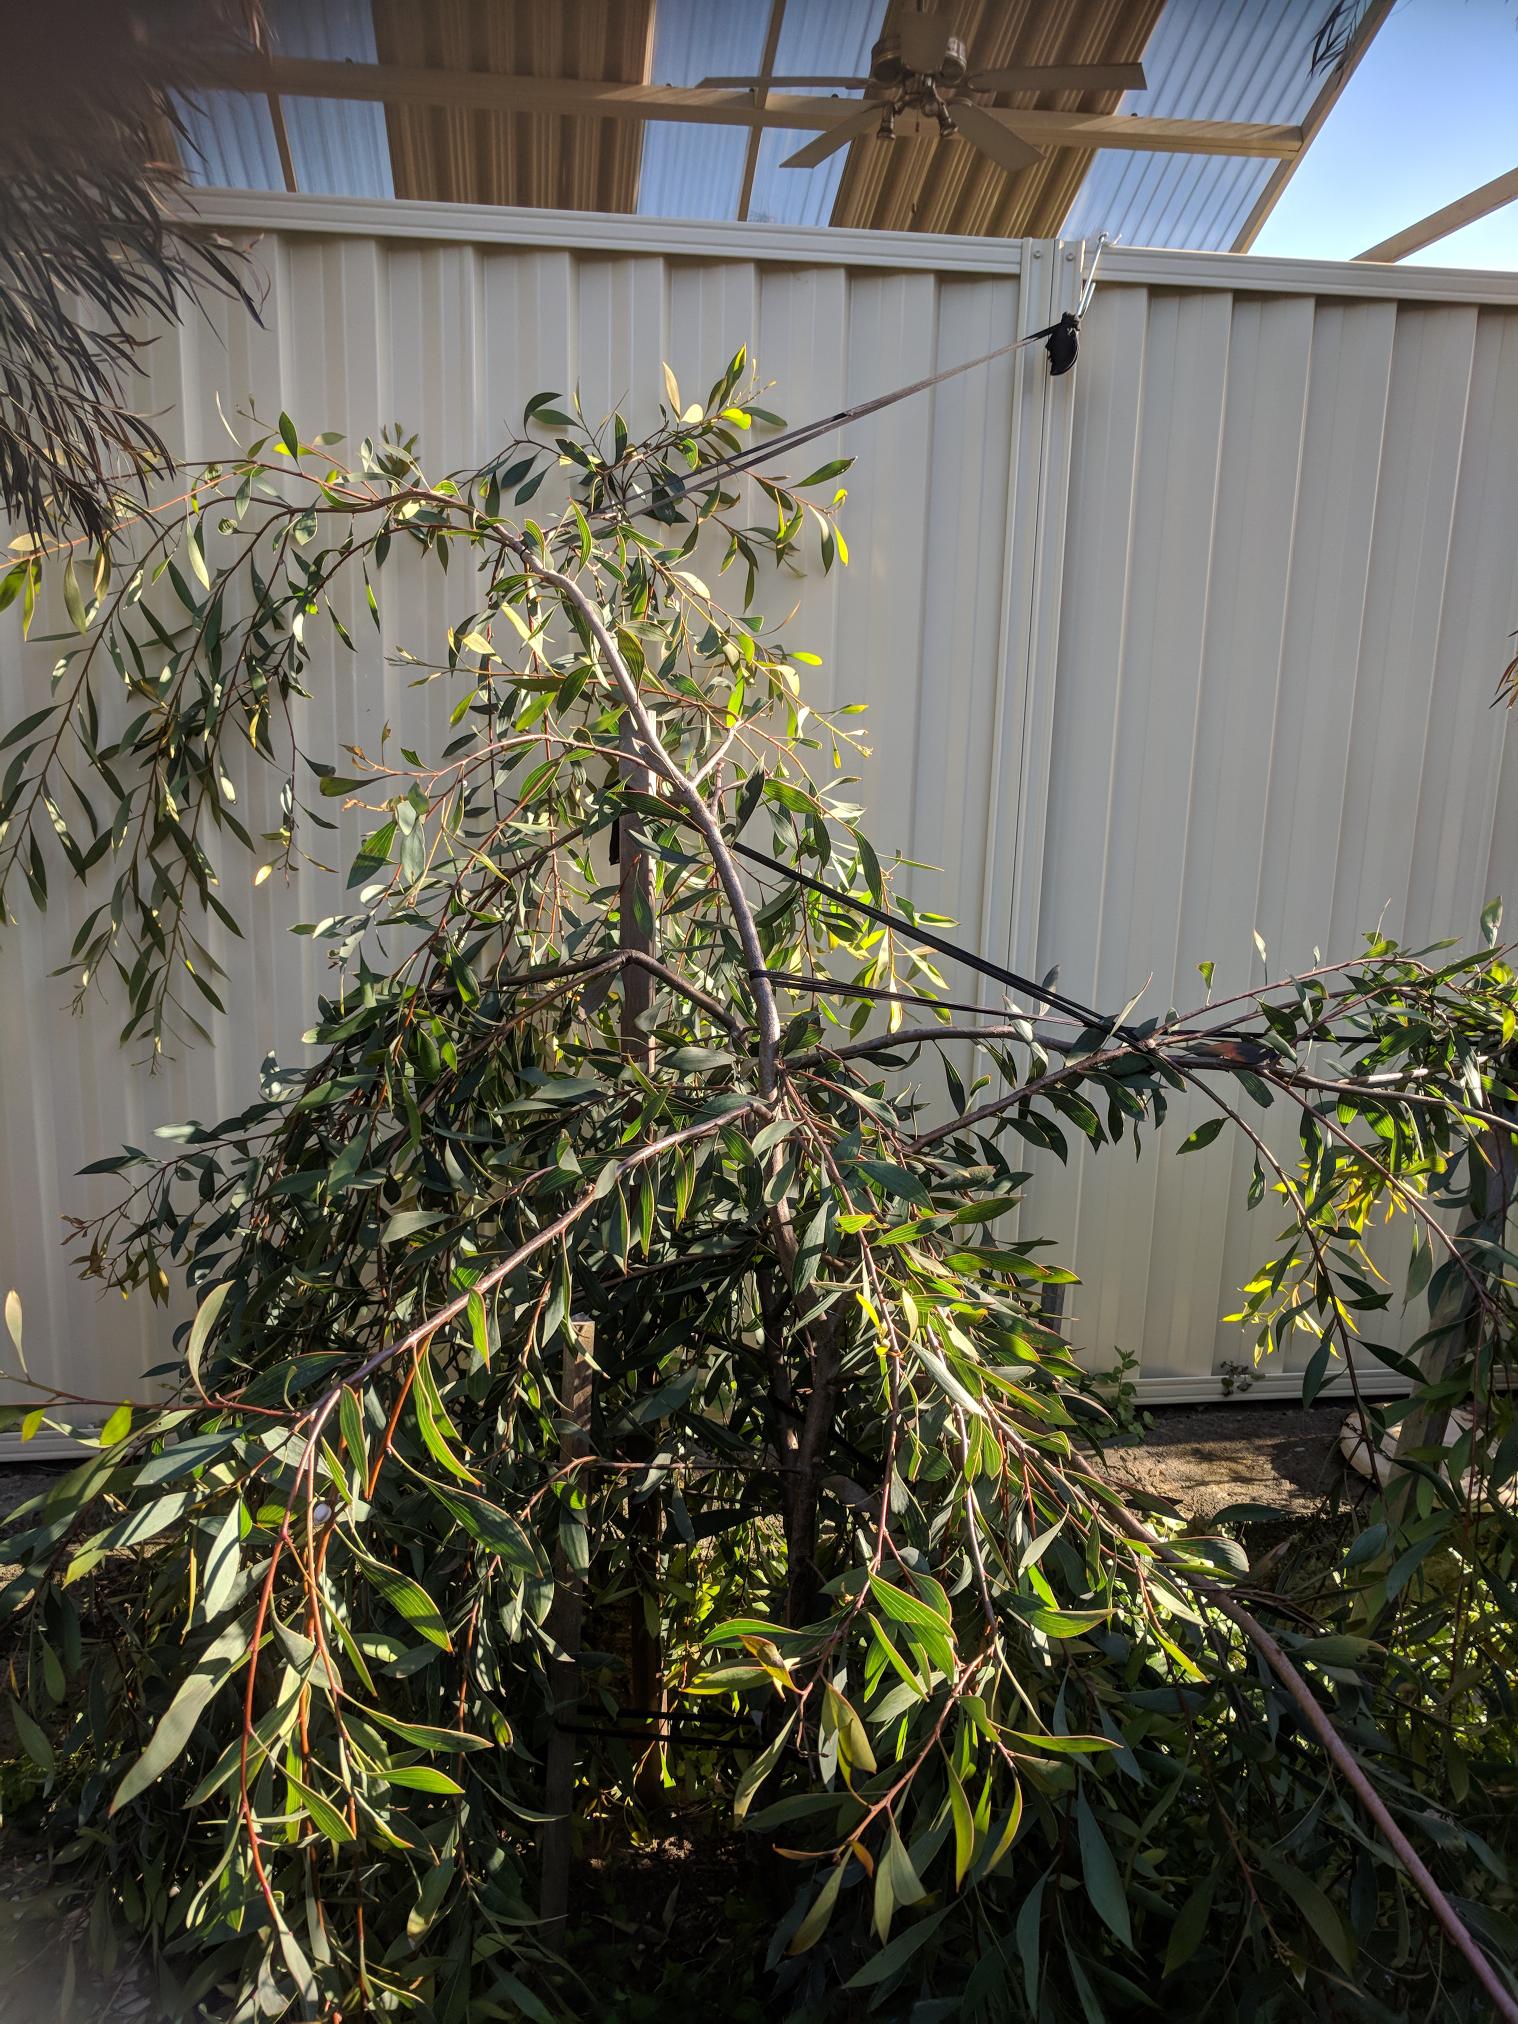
(920, 66)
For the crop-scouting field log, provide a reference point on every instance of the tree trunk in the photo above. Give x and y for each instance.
(564, 1623)
(635, 879)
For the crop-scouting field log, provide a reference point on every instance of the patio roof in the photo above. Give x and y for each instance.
(498, 102)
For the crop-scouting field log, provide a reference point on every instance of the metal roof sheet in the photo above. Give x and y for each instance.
(1207, 59)
(462, 155)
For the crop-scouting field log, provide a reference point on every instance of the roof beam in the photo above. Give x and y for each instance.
(1439, 224)
(767, 58)
(1312, 123)
(282, 143)
(406, 84)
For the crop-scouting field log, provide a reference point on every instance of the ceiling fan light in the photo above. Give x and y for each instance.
(955, 65)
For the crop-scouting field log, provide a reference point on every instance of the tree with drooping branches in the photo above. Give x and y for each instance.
(644, 1233)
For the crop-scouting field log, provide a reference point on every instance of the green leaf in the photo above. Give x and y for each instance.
(1190, 1925)
(422, 1778)
(73, 598)
(288, 436)
(1057, 1622)
(1104, 1886)
(760, 1769)
(223, 1564)
(1026, 1933)
(1317, 1909)
(322, 1811)
(429, 1899)
(117, 1427)
(825, 471)
(815, 1924)
(434, 1424)
(205, 1321)
(880, 1967)
(408, 1599)
(1063, 1746)
(350, 1414)
(853, 1737)
(177, 1723)
(32, 1738)
(992, 1853)
(896, 1883)
(424, 1737)
(582, 528)
(934, 1630)
(479, 1328)
(495, 1529)
(964, 1828)
(1202, 1136)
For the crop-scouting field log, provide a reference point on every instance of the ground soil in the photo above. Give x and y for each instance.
(1204, 1458)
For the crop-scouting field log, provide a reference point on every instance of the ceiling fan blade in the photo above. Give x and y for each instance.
(837, 136)
(1062, 77)
(772, 83)
(1007, 149)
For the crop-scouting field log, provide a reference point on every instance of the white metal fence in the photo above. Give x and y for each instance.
(1199, 639)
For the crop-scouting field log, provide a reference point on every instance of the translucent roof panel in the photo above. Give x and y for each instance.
(1207, 59)
(228, 141)
(694, 171)
(338, 148)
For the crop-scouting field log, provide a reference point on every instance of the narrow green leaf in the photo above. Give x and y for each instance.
(408, 1599)
(1190, 1924)
(205, 1321)
(1317, 1909)
(422, 1778)
(1203, 1135)
(73, 597)
(322, 1811)
(117, 1427)
(32, 1738)
(1104, 1885)
(964, 1828)
(424, 1737)
(177, 1723)
(880, 1967)
(350, 1414)
(760, 1769)
(815, 1924)
(429, 1899)
(495, 1529)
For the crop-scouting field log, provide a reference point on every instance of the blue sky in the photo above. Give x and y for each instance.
(1431, 112)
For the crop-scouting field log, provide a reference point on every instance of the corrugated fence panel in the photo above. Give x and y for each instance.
(1288, 591)
(1195, 642)
(450, 339)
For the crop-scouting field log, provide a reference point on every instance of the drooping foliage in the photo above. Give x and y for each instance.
(630, 1289)
(90, 185)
